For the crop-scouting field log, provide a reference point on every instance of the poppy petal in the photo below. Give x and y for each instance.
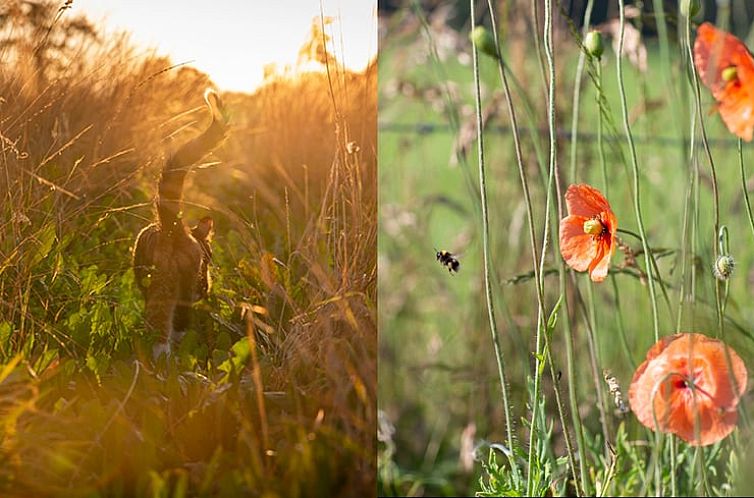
(644, 385)
(719, 363)
(599, 265)
(598, 268)
(577, 248)
(714, 52)
(585, 200)
(689, 385)
(698, 421)
(737, 112)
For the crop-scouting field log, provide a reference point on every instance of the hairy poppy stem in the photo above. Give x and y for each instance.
(486, 253)
(577, 92)
(716, 198)
(538, 268)
(637, 202)
(635, 166)
(713, 173)
(688, 219)
(744, 188)
(721, 296)
(572, 395)
(553, 174)
(526, 192)
(606, 190)
(655, 269)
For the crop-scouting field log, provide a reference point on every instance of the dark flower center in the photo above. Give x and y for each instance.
(689, 383)
(681, 383)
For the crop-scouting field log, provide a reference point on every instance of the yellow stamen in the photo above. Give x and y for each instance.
(730, 74)
(593, 227)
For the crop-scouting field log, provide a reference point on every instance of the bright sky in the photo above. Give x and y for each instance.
(232, 40)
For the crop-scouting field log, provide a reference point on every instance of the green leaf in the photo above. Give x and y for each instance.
(553, 319)
(5, 332)
(43, 244)
(97, 363)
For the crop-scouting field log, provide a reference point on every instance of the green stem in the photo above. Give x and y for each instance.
(635, 167)
(637, 202)
(571, 379)
(621, 325)
(570, 369)
(593, 363)
(541, 325)
(600, 139)
(596, 351)
(713, 171)
(577, 91)
(685, 241)
(549, 55)
(527, 201)
(606, 190)
(654, 268)
(487, 257)
(673, 485)
(716, 198)
(743, 185)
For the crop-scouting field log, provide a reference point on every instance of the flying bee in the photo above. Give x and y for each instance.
(448, 260)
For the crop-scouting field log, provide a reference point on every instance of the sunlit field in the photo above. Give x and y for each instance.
(272, 390)
(567, 405)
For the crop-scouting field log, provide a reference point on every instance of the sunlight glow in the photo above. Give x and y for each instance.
(233, 40)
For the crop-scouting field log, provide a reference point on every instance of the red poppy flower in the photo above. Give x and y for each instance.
(726, 67)
(587, 234)
(689, 386)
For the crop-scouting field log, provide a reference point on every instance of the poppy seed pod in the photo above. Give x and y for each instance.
(484, 41)
(690, 8)
(593, 44)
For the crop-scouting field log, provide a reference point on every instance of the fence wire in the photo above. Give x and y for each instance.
(662, 141)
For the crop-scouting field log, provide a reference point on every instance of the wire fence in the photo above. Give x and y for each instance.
(661, 141)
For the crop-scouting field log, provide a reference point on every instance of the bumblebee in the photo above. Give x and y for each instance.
(448, 260)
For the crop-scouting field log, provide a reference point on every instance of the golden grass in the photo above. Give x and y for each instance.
(273, 390)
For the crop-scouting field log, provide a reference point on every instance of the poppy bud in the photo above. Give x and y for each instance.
(593, 227)
(724, 267)
(690, 8)
(593, 44)
(484, 41)
(729, 74)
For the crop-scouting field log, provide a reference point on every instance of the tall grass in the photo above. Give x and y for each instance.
(272, 391)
